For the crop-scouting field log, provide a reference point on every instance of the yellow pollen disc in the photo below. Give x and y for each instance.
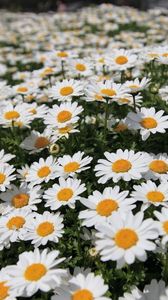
(18, 124)
(121, 60)
(11, 115)
(120, 128)
(41, 142)
(126, 238)
(65, 129)
(66, 91)
(101, 60)
(35, 272)
(62, 54)
(108, 92)
(165, 54)
(124, 100)
(155, 196)
(80, 67)
(3, 290)
(22, 89)
(106, 207)
(148, 123)
(98, 97)
(33, 111)
(2, 178)
(165, 226)
(15, 223)
(65, 194)
(134, 86)
(45, 229)
(71, 167)
(48, 71)
(153, 55)
(82, 295)
(43, 172)
(64, 116)
(20, 200)
(121, 166)
(158, 166)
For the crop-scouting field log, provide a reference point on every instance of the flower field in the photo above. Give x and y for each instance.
(84, 155)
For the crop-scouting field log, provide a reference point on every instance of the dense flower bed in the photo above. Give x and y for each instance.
(83, 155)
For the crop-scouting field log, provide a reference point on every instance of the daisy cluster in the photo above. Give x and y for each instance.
(84, 155)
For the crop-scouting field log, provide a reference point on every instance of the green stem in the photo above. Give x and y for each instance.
(63, 70)
(134, 102)
(165, 268)
(106, 118)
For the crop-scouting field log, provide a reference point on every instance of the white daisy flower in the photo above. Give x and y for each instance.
(151, 194)
(6, 176)
(63, 115)
(5, 157)
(87, 287)
(71, 165)
(112, 90)
(162, 224)
(126, 238)
(37, 111)
(42, 171)
(44, 228)
(58, 133)
(67, 192)
(148, 121)
(66, 89)
(137, 85)
(80, 67)
(6, 292)
(102, 205)
(23, 196)
(157, 167)
(122, 59)
(124, 165)
(36, 271)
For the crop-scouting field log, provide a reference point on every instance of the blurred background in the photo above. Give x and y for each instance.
(72, 5)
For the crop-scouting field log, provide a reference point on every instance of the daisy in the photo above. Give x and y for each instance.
(137, 85)
(36, 141)
(102, 205)
(157, 167)
(151, 194)
(63, 115)
(44, 228)
(42, 171)
(124, 165)
(162, 224)
(84, 286)
(148, 121)
(81, 67)
(35, 271)
(24, 88)
(112, 90)
(22, 197)
(122, 60)
(6, 293)
(67, 192)
(23, 172)
(6, 176)
(128, 100)
(58, 133)
(13, 225)
(71, 165)
(37, 111)
(66, 89)
(5, 157)
(126, 238)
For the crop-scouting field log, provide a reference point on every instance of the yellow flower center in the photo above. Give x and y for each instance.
(65, 129)
(71, 167)
(2, 178)
(108, 92)
(121, 166)
(121, 60)
(64, 116)
(124, 100)
(45, 229)
(153, 55)
(165, 54)
(65, 194)
(155, 196)
(126, 238)
(98, 97)
(101, 60)
(41, 142)
(22, 89)
(134, 86)
(148, 123)
(165, 226)
(158, 166)
(106, 207)
(48, 71)
(80, 67)
(11, 115)
(15, 223)
(35, 272)
(20, 200)
(33, 111)
(43, 172)
(62, 54)
(82, 295)
(66, 91)
(18, 124)
(3, 290)
(120, 127)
